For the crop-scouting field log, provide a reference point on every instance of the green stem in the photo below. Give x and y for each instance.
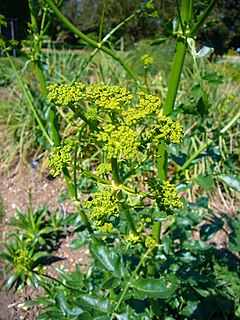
(90, 41)
(129, 283)
(185, 17)
(44, 31)
(122, 205)
(28, 98)
(72, 191)
(95, 51)
(202, 18)
(203, 147)
(175, 76)
(156, 231)
(101, 21)
(37, 47)
(95, 177)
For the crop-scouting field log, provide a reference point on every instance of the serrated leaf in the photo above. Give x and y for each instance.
(109, 259)
(154, 288)
(93, 302)
(230, 181)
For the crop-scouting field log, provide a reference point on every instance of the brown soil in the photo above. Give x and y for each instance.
(14, 191)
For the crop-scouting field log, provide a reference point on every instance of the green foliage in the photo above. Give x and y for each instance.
(152, 255)
(28, 246)
(24, 262)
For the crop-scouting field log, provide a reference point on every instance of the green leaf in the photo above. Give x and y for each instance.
(5, 256)
(154, 288)
(40, 255)
(205, 181)
(11, 280)
(77, 244)
(85, 316)
(109, 259)
(214, 77)
(205, 51)
(66, 308)
(46, 230)
(203, 105)
(231, 181)
(197, 92)
(234, 242)
(160, 40)
(97, 303)
(111, 283)
(208, 230)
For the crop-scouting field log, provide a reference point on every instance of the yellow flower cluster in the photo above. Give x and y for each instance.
(60, 157)
(146, 60)
(103, 168)
(102, 208)
(165, 195)
(148, 104)
(22, 261)
(168, 130)
(65, 94)
(111, 98)
(120, 141)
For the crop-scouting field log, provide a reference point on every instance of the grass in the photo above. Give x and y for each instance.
(20, 131)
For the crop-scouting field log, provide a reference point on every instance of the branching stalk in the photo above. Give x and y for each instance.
(29, 100)
(122, 205)
(91, 42)
(144, 257)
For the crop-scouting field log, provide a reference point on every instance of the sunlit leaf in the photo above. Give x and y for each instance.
(108, 258)
(154, 288)
(97, 303)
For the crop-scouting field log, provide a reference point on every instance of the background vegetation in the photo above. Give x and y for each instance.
(221, 31)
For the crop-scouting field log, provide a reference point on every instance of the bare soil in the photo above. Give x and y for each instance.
(15, 186)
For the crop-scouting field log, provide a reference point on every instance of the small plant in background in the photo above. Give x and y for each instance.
(29, 245)
(25, 262)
